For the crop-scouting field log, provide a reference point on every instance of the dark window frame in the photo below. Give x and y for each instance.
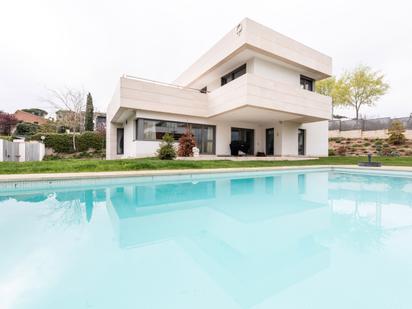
(302, 147)
(119, 144)
(242, 133)
(227, 78)
(140, 134)
(304, 80)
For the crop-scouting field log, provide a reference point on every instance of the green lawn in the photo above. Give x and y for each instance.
(77, 165)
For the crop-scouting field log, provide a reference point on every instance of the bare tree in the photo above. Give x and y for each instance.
(71, 102)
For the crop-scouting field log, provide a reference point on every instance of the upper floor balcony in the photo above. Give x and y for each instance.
(247, 91)
(251, 90)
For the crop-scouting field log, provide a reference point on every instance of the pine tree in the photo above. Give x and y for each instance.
(166, 150)
(88, 119)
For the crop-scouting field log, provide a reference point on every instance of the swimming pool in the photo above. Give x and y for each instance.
(316, 238)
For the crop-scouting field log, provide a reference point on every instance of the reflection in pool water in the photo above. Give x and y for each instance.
(290, 240)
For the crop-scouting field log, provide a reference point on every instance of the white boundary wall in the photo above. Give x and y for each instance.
(365, 134)
(20, 151)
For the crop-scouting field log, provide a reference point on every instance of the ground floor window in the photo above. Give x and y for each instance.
(120, 141)
(154, 130)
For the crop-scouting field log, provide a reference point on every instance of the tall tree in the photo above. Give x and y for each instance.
(334, 88)
(88, 119)
(363, 87)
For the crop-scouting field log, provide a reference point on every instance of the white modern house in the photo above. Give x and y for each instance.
(253, 90)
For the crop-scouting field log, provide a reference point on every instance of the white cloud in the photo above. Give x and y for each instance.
(91, 43)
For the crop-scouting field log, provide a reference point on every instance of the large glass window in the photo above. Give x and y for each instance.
(149, 130)
(233, 75)
(154, 130)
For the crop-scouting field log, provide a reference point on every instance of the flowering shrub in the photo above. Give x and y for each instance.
(186, 144)
(7, 122)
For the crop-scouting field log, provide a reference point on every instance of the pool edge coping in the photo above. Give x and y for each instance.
(142, 173)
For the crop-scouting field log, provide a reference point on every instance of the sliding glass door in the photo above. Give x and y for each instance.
(205, 138)
(244, 138)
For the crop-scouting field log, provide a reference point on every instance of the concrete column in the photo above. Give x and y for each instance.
(111, 141)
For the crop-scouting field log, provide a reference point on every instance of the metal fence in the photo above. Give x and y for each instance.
(368, 124)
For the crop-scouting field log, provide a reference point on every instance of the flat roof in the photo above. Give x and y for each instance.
(252, 35)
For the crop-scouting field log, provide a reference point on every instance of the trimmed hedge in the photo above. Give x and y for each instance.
(90, 140)
(63, 143)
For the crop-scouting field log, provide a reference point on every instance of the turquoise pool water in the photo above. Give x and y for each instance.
(314, 239)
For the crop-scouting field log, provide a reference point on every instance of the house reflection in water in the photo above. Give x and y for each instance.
(363, 208)
(248, 234)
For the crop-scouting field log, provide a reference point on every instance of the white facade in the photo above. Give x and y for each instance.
(263, 91)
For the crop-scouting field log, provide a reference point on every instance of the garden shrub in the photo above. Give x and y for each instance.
(166, 150)
(337, 140)
(90, 140)
(341, 150)
(186, 144)
(396, 133)
(385, 151)
(378, 142)
(63, 143)
(60, 143)
(26, 129)
(331, 152)
(48, 127)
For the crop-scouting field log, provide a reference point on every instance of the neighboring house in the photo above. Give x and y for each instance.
(66, 116)
(254, 87)
(30, 118)
(99, 120)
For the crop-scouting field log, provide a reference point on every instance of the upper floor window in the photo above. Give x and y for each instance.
(233, 75)
(306, 83)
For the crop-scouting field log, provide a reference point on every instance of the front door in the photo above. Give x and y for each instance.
(301, 142)
(270, 140)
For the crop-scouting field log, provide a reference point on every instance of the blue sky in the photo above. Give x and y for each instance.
(90, 44)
